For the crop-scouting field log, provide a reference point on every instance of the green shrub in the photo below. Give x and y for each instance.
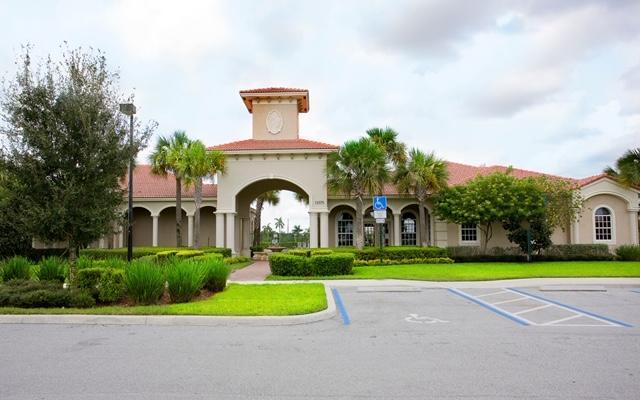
(560, 252)
(16, 268)
(216, 274)
(393, 252)
(283, 264)
(88, 278)
(84, 262)
(189, 253)
(331, 264)
(299, 252)
(29, 294)
(628, 252)
(111, 287)
(320, 252)
(236, 259)
(52, 269)
(208, 257)
(144, 282)
(439, 260)
(185, 279)
(145, 251)
(112, 262)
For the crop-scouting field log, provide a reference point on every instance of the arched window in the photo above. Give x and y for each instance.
(345, 229)
(603, 224)
(408, 235)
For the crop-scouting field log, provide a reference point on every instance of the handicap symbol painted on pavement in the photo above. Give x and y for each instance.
(423, 320)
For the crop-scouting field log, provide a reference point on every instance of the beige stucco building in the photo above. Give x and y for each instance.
(277, 158)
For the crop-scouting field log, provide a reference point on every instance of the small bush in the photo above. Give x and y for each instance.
(185, 279)
(84, 262)
(88, 278)
(576, 252)
(332, 264)
(138, 252)
(236, 260)
(394, 252)
(284, 264)
(321, 252)
(216, 274)
(30, 294)
(299, 252)
(52, 269)
(111, 287)
(144, 282)
(189, 253)
(628, 252)
(111, 263)
(16, 268)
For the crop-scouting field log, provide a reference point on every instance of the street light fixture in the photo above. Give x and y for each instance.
(130, 109)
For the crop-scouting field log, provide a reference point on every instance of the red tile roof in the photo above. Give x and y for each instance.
(273, 90)
(591, 179)
(148, 185)
(286, 144)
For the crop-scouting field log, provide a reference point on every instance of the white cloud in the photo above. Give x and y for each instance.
(178, 31)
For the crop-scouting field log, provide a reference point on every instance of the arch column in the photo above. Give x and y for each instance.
(633, 225)
(231, 231)
(190, 230)
(154, 241)
(313, 230)
(397, 229)
(219, 229)
(324, 229)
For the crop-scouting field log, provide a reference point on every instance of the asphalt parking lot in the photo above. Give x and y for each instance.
(405, 343)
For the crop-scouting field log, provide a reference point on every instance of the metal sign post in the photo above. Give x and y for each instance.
(380, 214)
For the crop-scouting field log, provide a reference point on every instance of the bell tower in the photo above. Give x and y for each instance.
(276, 111)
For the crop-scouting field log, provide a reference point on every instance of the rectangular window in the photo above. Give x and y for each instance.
(369, 235)
(345, 233)
(469, 233)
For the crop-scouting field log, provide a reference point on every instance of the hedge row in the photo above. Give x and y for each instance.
(561, 252)
(30, 294)
(628, 252)
(375, 253)
(149, 251)
(439, 260)
(284, 264)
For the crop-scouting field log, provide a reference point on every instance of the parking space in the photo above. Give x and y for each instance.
(452, 309)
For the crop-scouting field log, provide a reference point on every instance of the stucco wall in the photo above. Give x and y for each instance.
(289, 113)
(620, 219)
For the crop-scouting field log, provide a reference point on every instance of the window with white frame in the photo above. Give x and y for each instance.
(408, 234)
(469, 233)
(603, 224)
(369, 235)
(345, 229)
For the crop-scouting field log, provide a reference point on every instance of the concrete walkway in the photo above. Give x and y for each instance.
(255, 272)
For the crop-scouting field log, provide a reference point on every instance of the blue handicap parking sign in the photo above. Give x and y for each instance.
(379, 203)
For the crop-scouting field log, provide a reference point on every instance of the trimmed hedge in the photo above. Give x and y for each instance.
(561, 252)
(439, 260)
(105, 284)
(30, 294)
(147, 251)
(284, 264)
(394, 252)
(628, 252)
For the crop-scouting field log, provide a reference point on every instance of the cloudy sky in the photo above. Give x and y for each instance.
(547, 85)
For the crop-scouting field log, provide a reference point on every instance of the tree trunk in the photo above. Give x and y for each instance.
(196, 217)
(178, 212)
(257, 223)
(423, 223)
(359, 228)
(73, 265)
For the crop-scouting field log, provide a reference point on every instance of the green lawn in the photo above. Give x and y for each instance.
(238, 300)
(490, 271)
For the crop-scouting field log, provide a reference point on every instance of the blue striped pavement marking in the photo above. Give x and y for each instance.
(488, 306)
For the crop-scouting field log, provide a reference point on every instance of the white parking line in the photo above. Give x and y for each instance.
(510, 301)
(491, 294)
(533, 309)
(562, 320)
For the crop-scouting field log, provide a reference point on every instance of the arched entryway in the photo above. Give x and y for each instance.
(167, 228)
(207, 226)
(142, 227)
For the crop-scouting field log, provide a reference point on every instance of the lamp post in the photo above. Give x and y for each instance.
(130, 109)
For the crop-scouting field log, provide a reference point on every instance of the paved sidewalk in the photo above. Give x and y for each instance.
(255, 272)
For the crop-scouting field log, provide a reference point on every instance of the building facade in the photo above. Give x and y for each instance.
(277, 158)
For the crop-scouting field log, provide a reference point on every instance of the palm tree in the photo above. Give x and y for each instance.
(387, 138)
(167, 157)
(422, 175)
(198, 164)
(271, 197)
(297, 230)
(627, 170)
(358, 169)
(279, 224)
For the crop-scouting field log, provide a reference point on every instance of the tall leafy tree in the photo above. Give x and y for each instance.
(67, 148)
(168, 157)
(198, 164)
(358, 169)
(271, 197)
(627, 169)
(422, 175)
(387, 138)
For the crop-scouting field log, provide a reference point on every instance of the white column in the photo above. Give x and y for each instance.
(121, 238)
(219, 229)
(313, 230)
(154, 241)
(633, 224)
(324, 229)
(231, 231)
(190, 230)
(397, 229)
(101, 243)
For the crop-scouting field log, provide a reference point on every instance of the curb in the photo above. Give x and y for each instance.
(176, 320)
